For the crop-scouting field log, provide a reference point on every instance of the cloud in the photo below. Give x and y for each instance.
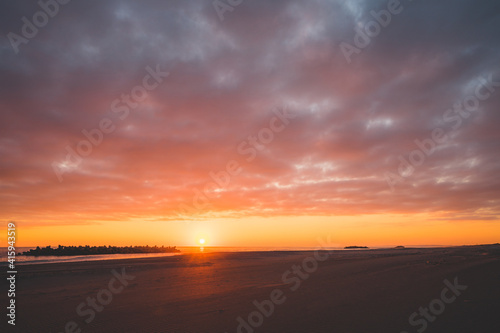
(226, 78)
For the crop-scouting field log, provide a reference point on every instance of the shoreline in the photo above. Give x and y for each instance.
(92, 258)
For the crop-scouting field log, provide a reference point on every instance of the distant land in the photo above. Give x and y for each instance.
(94, 250)
(355, 247)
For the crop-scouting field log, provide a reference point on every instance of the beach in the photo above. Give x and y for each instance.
(289, 291)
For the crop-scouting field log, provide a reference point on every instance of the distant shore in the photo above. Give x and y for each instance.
(96, 250)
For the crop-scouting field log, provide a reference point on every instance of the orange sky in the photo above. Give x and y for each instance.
(163, 124)
(375, 230)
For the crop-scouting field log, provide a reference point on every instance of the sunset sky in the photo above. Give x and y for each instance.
(162, 122)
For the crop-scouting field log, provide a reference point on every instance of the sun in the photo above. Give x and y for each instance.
(201, 241)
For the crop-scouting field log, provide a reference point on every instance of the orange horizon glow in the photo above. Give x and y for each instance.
(374, 231)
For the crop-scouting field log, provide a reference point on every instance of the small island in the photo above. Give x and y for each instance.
(94, 250)
(356, 247)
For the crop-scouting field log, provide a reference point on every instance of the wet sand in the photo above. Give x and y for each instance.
(341, 291)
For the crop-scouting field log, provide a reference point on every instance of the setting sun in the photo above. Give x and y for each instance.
(201, 241)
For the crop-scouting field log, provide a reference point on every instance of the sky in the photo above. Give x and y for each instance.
(250, 123)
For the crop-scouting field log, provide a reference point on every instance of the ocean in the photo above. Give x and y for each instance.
(29, 260)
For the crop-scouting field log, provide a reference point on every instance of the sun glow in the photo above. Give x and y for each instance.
(201, 241)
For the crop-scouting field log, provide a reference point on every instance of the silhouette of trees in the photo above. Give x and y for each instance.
(92, 250)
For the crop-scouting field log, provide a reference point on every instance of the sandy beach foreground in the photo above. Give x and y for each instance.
(438, 290)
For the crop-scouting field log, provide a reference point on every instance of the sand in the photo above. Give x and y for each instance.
(349, 291)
